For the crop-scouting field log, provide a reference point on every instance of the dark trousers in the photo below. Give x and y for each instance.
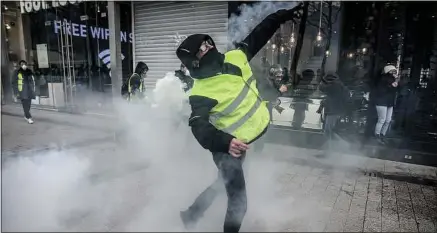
(26, 107)
(328, 128)
(231, 174)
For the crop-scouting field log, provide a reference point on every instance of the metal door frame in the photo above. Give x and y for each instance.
(65, 46)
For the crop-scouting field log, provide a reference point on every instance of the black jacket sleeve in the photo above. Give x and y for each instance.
(205, 133)
(254, 42)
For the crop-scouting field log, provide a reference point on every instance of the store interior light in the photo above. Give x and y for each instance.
(5, 7)
(350, 55)
(8, 26)
(273, 46)
(282, 49)
(364, 50)
(319, 37)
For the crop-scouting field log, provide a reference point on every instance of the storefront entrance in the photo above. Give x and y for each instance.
(67, 47)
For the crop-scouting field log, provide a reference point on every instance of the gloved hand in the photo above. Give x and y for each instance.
(290, 14)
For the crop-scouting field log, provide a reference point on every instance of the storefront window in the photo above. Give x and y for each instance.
(70, 52)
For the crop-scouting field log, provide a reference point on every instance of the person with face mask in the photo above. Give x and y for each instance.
(134, 87)
(228, 112)
(385, 95)
(184, 75)
(24, 88)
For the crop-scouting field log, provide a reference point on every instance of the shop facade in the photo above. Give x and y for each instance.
(159, 28)
(66, 44)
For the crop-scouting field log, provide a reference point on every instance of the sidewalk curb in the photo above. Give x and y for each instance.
(67, 123)
(49, 109)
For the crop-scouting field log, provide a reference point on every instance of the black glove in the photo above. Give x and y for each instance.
(290, 14)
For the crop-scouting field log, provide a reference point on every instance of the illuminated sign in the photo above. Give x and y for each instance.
(81, 30)
(28, 6)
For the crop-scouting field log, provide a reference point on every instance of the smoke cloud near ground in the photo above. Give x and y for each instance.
(143, 183)
(153, 173)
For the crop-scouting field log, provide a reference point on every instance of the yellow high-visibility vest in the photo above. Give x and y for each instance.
(240, 110)
(20, 82)
(129, 88)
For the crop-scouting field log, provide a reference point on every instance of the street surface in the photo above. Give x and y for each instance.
(289, 188)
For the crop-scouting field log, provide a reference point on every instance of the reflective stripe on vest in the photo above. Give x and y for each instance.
(21, 82)
(239, 111)
(233, 106)
(129, 88)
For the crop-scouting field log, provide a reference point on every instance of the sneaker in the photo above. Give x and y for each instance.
(380, 140)
(187, 220)
(30, 121)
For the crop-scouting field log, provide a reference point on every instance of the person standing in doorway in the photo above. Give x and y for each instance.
(24, 88)
(385, 95)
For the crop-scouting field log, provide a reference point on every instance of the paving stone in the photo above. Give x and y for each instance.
(426, 225)
(390, 225)
(372, 224)
(337, 221)
(407, 224)
(373, 209)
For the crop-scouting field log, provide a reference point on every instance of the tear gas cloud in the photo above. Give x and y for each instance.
(143, 182)
(239, 26)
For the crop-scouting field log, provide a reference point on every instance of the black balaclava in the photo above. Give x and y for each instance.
(208, 65)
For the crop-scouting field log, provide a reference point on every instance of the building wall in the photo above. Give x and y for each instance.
(159, 27)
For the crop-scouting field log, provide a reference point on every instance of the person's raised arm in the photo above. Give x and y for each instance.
(254, 42)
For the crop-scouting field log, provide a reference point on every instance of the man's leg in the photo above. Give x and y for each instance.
(201, 204)
(26, 108)
(330, 122)
(231, 170)
(382, 113)
(387, 121)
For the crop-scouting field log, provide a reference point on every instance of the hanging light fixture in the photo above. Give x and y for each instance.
(319, 38)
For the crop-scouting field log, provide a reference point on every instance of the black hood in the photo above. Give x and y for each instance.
(141, 68)
(209, 64)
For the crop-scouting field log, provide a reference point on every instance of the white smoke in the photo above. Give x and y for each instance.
(239, 26)
(143, 183)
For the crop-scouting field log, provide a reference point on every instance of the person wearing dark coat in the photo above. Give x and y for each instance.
(385, 95)
(23, 84)
(335, 104)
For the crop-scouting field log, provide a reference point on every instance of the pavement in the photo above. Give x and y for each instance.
(309, 192)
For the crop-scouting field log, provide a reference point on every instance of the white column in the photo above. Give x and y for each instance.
(115, 48)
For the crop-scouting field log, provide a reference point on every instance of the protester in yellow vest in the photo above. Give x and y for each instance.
(227, 111)
(23, 84)
(133, 88)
